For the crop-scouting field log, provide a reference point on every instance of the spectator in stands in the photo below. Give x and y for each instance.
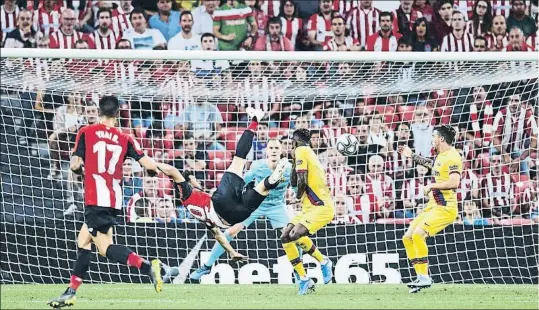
(405, 17)
(66, 123)
(287, 147)
(480, 44)
(150, 193)
(305, 120)
(422, 130)
(498, 38)
(412, 194)
(185, 40)
(479, 115)
(385, 40)
(47, 17)
(498, 199)
(210, 68)
(23, 36)
(401, 166)
(377, 131)
(336, 171)
(380, 185)
(517, 42)
(9, 18)
(426, 9)
(123, 44)
(481, 21)
(81, 45)
(533, 39)
(422, 39)
(193, 160)
(261, 17)
(140, 36)
(131, 184)
(274, 40)
(203, 17)
(66, 36)
(472, 215)
(230, 27)
(365, 150)
(292, 25)
(442, 22)
(335, 125)
(140, 212)
(165, 211)
(519, 19)
(513, 126)
(363, 21)
(340, 41)
(458, 40)
(316, 142)
(149, 7)
(342, 217)
(260, 142)
(121, 17)
(469, 183)
(167, 20)
(104, 38)
(319, 26)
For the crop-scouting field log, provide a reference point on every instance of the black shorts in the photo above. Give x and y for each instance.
(233, 201)
(100, 219)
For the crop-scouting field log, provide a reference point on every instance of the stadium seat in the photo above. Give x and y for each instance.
(406, 112)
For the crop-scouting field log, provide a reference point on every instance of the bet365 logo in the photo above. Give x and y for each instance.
(349, 268)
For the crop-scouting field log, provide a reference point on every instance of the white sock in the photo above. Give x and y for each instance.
(325, 261)
(305, 278)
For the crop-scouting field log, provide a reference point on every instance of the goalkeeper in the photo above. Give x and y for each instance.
(442, 208)
(272, 208)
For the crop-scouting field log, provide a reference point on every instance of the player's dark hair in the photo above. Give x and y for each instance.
(303, 135)
(109, 106)
(104, 10)
(447, 132)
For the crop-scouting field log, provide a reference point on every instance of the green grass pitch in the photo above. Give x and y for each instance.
(333, 296)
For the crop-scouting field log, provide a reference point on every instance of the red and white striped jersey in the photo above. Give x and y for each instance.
(47, 22)
(8, 20)
(322, 26)
(533, 42)
(451, 43)
(337, 179)
(398, 164)
(104, 150)
(270, 7)
(346, 219)
(378, 43)
(523, 48)
(403, 22)
(494, 43)
(79, 7)
(513, 130)
(258, 93)
(365, 207)
(412, 189)
(381, 187)
(498, 189)
(120, 21)
(292, 28)
(468, 182)
(331, 134)
(60, 40)
(484, 133)
(344, 6)
(100, 42)
(122, 71)
(475, 31)
(499, 7)
(362, 24)
(332, 45)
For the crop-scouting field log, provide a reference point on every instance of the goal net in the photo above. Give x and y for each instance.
(189, 109)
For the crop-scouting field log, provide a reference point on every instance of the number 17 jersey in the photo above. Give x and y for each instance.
(103, 150)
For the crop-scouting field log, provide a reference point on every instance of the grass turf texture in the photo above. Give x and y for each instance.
(138, 296)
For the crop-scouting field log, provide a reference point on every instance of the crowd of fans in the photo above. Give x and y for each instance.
(496, 124)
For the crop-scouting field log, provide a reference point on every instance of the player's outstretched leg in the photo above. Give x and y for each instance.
(245, 143)
(82, 264)
(306, 284)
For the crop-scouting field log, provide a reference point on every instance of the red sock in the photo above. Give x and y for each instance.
(253, 126)
(134, 260)
(75, 282)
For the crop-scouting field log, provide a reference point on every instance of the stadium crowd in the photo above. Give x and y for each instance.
(186, 125)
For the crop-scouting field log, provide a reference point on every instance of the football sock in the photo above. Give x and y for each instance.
(245, 144)
(254, 124)
(124, 255)
(410, 249)
(293, 256)
(421, 265)
(82, 264)
(217, 251)
(308, 246)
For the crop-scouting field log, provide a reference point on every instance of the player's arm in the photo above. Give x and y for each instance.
(455, 170)
(172, 172)
(420, 160)
(77, 159)
(134, 151)
(220, 237)
(301, 163)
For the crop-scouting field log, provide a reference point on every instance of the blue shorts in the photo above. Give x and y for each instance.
(277, 217)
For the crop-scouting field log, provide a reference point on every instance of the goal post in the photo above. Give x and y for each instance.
(173, 102)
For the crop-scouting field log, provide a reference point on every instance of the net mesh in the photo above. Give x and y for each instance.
(45, 102)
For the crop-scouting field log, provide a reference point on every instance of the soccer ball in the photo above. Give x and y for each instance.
(347, 144)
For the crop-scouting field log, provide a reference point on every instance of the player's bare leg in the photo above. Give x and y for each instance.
(123, 255)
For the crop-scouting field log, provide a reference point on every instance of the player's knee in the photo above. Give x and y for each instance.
(285, 237)
(407, 239)
(102, 250)
(419, 232)
(295, 235)
(234, 230)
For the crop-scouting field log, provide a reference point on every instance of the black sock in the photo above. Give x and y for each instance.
(118, 253)
(245, 144)
(145, 267)
(82, 264)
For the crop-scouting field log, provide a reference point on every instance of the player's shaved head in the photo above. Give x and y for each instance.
(109, 106)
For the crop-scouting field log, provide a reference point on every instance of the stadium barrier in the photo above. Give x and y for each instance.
(369, 253)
